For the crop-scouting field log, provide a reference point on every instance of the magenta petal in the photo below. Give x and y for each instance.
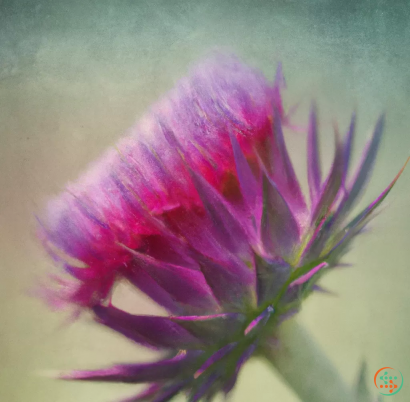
(314, 171)
(279, 228)
(137, 373)
(157, 332)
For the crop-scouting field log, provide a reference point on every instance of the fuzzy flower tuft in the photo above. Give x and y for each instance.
(200, 208)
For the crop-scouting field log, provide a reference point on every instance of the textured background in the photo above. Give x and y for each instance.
(74, 75)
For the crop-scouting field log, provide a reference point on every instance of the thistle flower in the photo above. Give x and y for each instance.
(200, 208)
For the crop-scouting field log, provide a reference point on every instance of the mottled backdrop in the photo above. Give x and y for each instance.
(75, 74)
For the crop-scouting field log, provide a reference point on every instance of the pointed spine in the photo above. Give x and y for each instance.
(314, 169)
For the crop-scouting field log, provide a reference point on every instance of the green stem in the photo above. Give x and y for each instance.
(304, 366)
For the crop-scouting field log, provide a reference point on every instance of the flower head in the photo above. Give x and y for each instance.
(200, 208)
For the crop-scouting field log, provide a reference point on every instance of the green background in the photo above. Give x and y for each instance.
(75, 75)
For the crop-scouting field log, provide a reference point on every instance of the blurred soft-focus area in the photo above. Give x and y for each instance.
(74, 75)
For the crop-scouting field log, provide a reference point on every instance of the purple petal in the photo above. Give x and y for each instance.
(348, 147)
(88, 212)
(364, 169)
(169, 392)
(204, 387)
(154, 169)
(137, 373)
(197, 231)
(184, 285)
(320, 236)
(216, 357)
(281, 168)
(232, 283)
(226, 228)
(279, 230)
(324, 228)
(247, 181)
(357, 224)
(271, 276)
(314, 171)
(157, 332)
(168, 134)
(211, 329)
(341, 211)
(332, 185)
(143, 281)
(278, 84)
(279, 81)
